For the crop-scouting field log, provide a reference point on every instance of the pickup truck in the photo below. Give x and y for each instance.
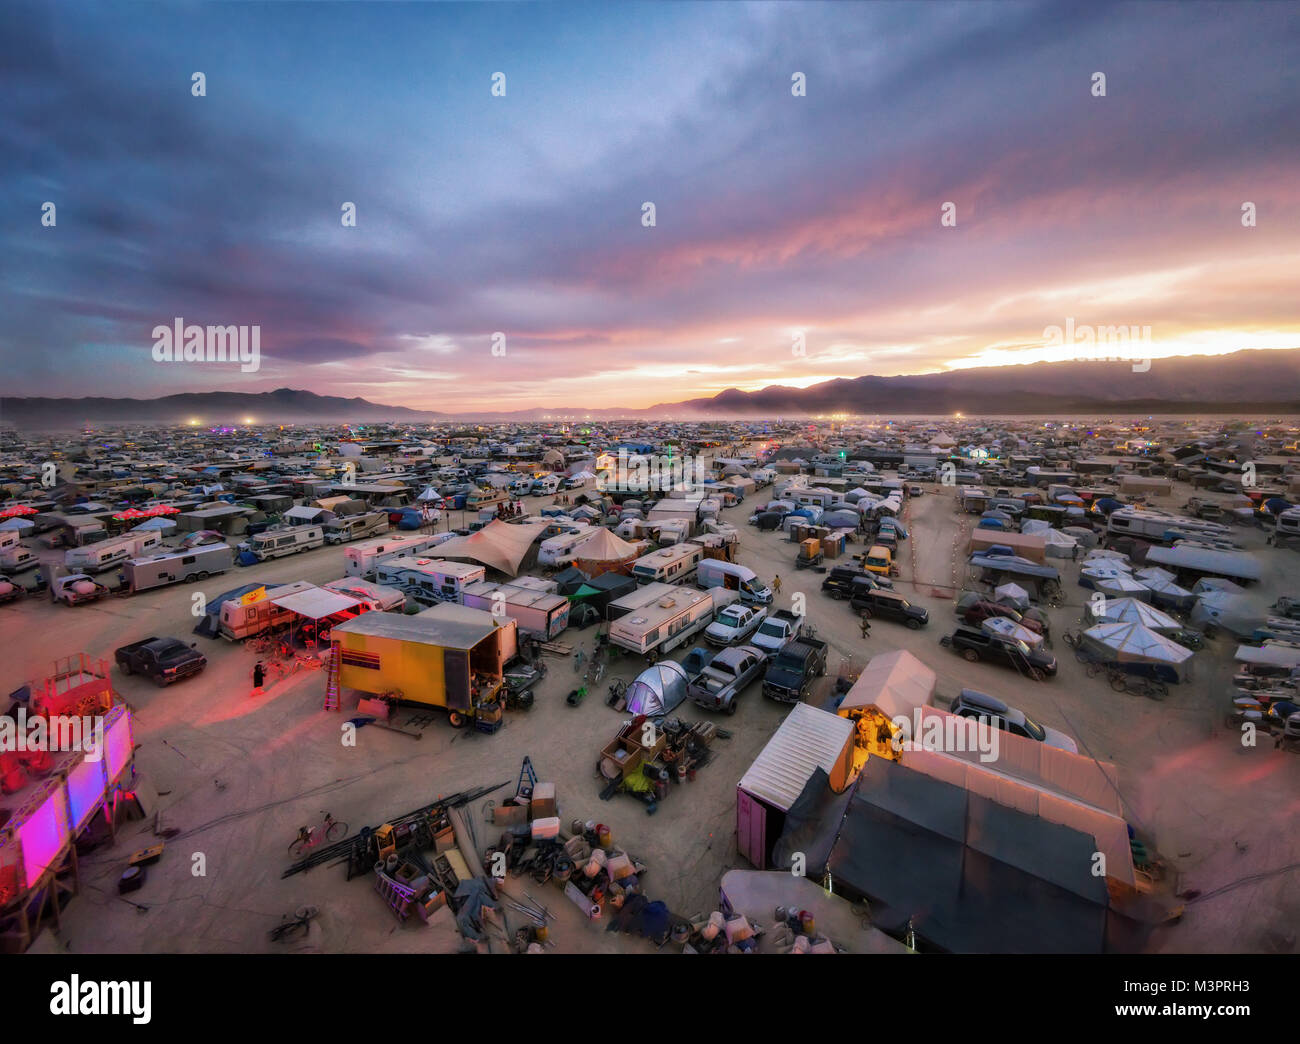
(719, 685)
(889, 605)
(776, 630)
(791, 672)
(845, 581)
(76, 589)
(165, 660)
(976, 645)
(734, 625)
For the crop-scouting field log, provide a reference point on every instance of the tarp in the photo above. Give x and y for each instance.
(1006, 626)
(1012, 594)
(498, 545)
(657, 689)
(971, 875)
(315, 604)
(895, 682)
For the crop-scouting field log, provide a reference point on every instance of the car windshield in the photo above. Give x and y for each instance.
(1034, 729)
(876, 561)
(771, 628)
(730, 618)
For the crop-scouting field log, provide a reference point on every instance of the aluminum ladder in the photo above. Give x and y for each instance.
(332, 702)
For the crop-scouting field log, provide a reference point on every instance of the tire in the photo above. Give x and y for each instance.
(913, 625)
(1118, 682)
(1036, 675)
(191, 577)
(297, 848)
(203, 575)
(456, 719)
(336, 832)
(970, 656)
(126, 668)
(732, 706)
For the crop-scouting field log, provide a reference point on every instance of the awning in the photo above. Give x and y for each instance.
(315, 604)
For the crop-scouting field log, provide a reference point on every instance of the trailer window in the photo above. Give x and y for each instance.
(359, 659)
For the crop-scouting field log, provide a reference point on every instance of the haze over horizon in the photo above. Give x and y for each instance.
(522, 214)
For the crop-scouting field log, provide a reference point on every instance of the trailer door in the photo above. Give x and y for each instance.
(455, 676)
(751, 829)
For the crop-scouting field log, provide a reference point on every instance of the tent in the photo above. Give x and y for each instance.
(1013, 595)
(20, 524)
(602, 552)
(1130, 610)
(895, 683)
(1121, 585)
(1133, 643)
(429, 496)
(1236, 614)
(498, 545)
(1164, 591)
(1083, 536)
(163, 525)
(569, 580)
(1059, 544)
(657, 689)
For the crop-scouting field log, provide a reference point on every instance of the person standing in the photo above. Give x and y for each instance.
(776, 584)
(259, 677)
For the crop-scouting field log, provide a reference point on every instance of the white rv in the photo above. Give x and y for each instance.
(428, 580)
(240, 621)
(8, 537)
(1161, 527)
(538, 613)
(557, 551)
(16, 559)
(355, 527)
(361, 558)
(547, 485)
(104, 555)
(668, 565)
(1288, 528)
(277, 543)
(172, 567)
(671, 617)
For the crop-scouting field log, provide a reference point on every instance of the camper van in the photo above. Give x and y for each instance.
(361, 558)
(96, 558)
(541, 614)
(557, 551)
(713, 572)
(668, 565)
(375, 597)
(671, 617)
(17, 559)
(240, 621)
(276, 543)
(428, 580)
(171, 567)
(355, 527)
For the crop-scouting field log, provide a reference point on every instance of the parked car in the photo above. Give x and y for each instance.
(842, 581)
(976, 645)
(165, 660)
(776, 630)
(791, 672)
(915, 491)
(719, 685)
(889, 605)
(971, 703)
(734, 625)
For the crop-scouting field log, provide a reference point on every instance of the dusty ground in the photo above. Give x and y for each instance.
(240, 775)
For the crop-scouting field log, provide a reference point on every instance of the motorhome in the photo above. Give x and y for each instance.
(547, 485)
(355, 527)
(375, 597)
(671, 616)
(1287, 532)
(96, 558)
(1162, 528)
(818, 497)
(428, 580)
(541, 614)
(714, 572)
(361, 558)
(482, 498)
(668, 565)
(240, 620)
(277, 543)
(558, 551)
(172, 567)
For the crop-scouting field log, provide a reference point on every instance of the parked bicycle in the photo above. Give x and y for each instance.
(1148, 687)
(293, 925)
(329, 830)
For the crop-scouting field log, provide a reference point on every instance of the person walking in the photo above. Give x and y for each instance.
(259, 677)
(776, 584)
(865, 626)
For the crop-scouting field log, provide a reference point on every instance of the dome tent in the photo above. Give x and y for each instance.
(657, 689)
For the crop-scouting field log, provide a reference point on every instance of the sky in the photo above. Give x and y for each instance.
(796, 237)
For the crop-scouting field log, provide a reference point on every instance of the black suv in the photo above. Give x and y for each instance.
(889, 605)
(976, 645)
(848, 581)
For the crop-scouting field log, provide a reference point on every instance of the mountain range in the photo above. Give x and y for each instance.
(1251, 382)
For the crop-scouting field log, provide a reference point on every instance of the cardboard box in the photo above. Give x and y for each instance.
(544, 801)
(512, 815)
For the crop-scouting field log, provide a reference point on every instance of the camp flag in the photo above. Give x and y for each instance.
(255, 595)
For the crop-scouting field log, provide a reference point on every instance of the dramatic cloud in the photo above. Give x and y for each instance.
(521, 215)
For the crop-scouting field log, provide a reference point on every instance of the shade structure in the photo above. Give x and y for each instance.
(162, 509)
(657, 689)
(1122, 586)
(1100, 554)
(15, 510)
(315, 604)
(498, 545)
(1005, 626)
(1134, 643)
(157, 523)
(602, 552)
(1237, 614)
(429, 496)
(895, 683)
(19, 524)
(1131, 610)
(1012, 594)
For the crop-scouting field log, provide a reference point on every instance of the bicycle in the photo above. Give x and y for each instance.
(307, 663)
(292, 925)
(1148, 687)
(329, 830)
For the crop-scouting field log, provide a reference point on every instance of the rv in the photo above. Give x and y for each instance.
(538, 613)
(171, 567)
(16, 559)
(713, 572)
(240, 620)
(428, 580)
(8, 537)
(1288, 528)
(557, 551)
(354, 527)
(671, 616)
(276, 543)
(362, 558)
(547, 486)
(482, 498)
(375, 597)
(96, 558)
(668, 565)
(1162, 528)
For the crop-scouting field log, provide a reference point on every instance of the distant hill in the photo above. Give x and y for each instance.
(1251, 382)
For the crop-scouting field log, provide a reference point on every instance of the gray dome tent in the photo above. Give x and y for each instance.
(657, 690)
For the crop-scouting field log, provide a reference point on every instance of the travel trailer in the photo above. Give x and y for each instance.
(671, 617)
(172, 567)
(17, 559)
(96, 558)
(240, 621)
(8, 537)
(277, 543)
(482, 498)
(540, 614)
(714, 572)
(362, 558)
(668, 565)
(355, 527)
(428, 580)
(1152, 525)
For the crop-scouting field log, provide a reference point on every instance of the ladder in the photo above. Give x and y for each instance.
(527, 780)
(332, 702)
(398, 896)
